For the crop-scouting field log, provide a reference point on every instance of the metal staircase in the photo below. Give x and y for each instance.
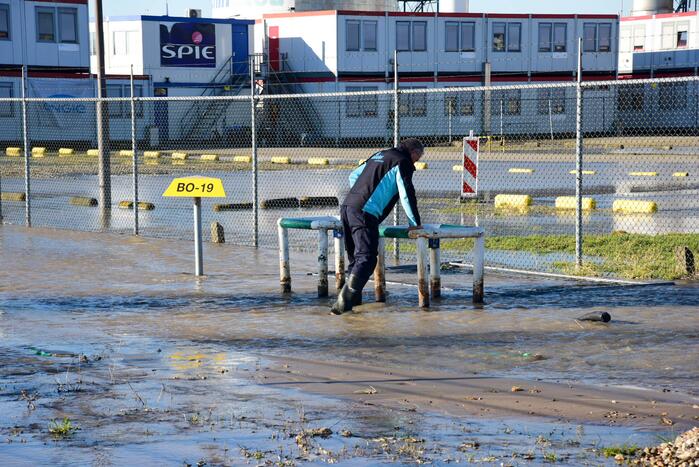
(202, 120)
(286, 121)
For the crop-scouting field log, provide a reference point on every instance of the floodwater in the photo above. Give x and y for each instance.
(677, 199)
(157, 367)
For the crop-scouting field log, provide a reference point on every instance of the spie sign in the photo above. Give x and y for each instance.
(188, 45)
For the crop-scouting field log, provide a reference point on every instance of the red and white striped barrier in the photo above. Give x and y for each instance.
(469, 177)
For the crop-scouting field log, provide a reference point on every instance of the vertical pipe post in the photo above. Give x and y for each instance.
(322, 263)
(579, 161)
(134, 151)
(253, 136)
(551, 119)
(104, 168)
(284, 266)
(478, 267)
(380, 273)
(423, 287)
(339, 260)
(435, 269)
(25, 136)
(198, 257)
(396, 138)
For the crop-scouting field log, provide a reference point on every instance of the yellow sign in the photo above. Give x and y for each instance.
(196, 187)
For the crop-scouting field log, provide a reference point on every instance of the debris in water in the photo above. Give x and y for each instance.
(596, 316)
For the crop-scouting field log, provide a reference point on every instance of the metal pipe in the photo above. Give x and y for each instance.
(380, 273)
(198, 257)
(253, 136)
(478, 267)
(435, 271)
(284, 266)
(134, 150)
(104, 169)
(579, 161)
(396, 137)
(25, 136)
(322, 263)
(422, 266)
(339, 260)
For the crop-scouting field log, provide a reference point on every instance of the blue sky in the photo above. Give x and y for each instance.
(178, 7)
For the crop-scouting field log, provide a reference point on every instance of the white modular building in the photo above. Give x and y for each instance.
(325, 51)
(51, 39)
(177, 56)
(657, 42)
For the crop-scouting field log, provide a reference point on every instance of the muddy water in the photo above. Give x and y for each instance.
(169, 359)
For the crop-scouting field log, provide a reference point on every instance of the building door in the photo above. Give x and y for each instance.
(161, 116)
(240, 49)
(274, 48)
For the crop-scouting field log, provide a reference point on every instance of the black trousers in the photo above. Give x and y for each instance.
(361, 242)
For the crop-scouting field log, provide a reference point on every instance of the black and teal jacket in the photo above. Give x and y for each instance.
(378, 183)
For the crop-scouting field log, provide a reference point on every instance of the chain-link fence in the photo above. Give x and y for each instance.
(290, 155)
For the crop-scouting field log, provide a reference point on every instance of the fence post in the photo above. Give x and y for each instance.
(253, 137)
(396, 137)
(579, 161)
(102, 124)
(551, 119)
(135, 156)
(25, 135)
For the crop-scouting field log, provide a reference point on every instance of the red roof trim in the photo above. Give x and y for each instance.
(461, 15)
(460, 79)
(506, 15)
(597, 16)
(410, 13)
(360, 13)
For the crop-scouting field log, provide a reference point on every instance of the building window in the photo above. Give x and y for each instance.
(668, 36)
(119, 43)
(411, 36)
(4, 21)
(597, 37)
(553, 37)
(604, 42)
(369, 29)
(468, 37)
(639, 38)
(459, 37)
(414, 105)
(508, 102)
(451, 36)
(459, 104)
(630, 98)
(682, 35)
(512, 38)
(589, 37)
(68, 25)
(560, 36)
(352, 28)
(552, 101)
(6, 108)
(363, 105)
(122, 109)
(403, 36)
(419, 36)
(672, 96)
(45, 24)
(498, 37)
(545, 31)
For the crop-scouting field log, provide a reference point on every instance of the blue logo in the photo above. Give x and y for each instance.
(64, 107)
(188, 45)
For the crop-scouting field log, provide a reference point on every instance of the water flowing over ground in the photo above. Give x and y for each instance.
(155, 366)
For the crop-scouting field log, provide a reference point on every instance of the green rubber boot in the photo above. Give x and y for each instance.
(348, 297)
